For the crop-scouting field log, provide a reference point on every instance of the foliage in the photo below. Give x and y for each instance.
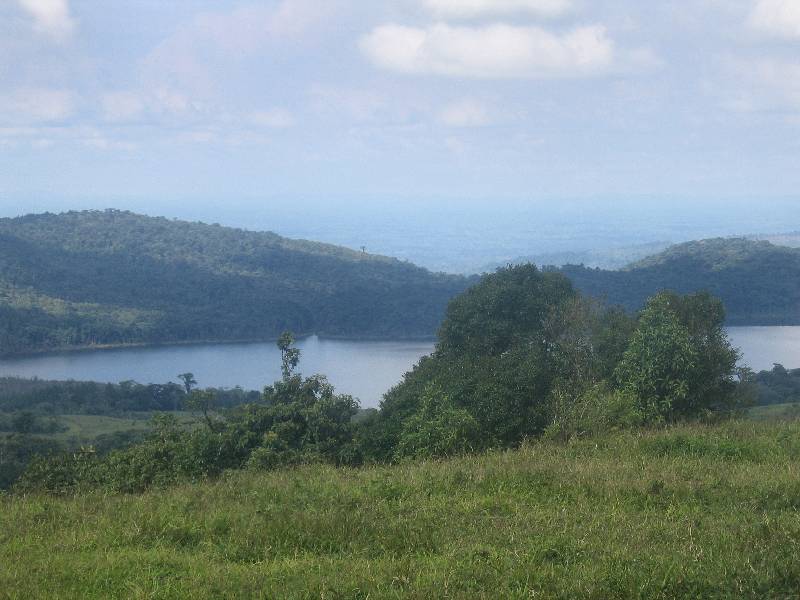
(296, 420)
(679, 362)
(684, 512)
(505, 346)
(29, 422)
(44, 397)
(438, 429)
(597, 411)
(520, 354)
(778, 386)
(112, 277)
(757, 281)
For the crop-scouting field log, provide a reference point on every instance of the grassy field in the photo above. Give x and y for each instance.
(89, 427)
(86, 429)
(772, 412)
(689, 512)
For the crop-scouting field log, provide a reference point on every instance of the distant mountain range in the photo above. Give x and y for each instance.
(619, 257)
(99, 278)
(616, 257)
(758, 281)
(111, 277)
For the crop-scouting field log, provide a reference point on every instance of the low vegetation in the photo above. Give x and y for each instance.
(688, 511)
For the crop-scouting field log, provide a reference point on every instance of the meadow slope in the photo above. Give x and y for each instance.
(691, 511)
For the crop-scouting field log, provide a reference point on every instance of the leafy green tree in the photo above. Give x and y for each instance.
(497, 359)
(679, 362)
(290, 356)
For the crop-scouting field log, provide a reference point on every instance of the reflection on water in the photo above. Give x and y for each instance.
(364, 369)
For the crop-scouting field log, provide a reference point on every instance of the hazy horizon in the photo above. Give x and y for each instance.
(468, 235)
(574, 126)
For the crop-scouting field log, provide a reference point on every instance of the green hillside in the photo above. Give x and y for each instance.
(758, 282)
(683, 512)
(112, 277)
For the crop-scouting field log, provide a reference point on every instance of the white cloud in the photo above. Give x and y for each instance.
(495, 51)
(484, 8)
(465, 113)
(274, 118)
(777, 17)
(32, 105)
(121, 106)
(205, 49)
(772, 85)
(51, 17)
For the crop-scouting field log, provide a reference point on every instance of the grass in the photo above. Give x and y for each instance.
(790, 410)
(689, 512)
(88, 427)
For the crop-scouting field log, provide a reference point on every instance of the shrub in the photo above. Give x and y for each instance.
(598, 410)
(438, 429)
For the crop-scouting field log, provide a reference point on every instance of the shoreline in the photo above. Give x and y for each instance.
(178, 344)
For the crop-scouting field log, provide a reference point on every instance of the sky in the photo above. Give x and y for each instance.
(281, 101)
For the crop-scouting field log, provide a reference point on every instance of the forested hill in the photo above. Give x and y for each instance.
(758, 281)
(113, 277)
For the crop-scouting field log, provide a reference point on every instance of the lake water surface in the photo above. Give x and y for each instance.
(364, 369)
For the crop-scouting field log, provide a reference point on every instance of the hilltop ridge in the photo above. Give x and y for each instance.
(114, 277)
(758, 281)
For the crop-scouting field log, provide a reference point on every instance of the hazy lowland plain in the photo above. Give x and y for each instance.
(553, 444)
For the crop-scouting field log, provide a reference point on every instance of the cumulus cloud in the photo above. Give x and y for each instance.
(484, 8)
(777, 17)
(37, 105)
(50, 17)
(465, 113)
(494, 51)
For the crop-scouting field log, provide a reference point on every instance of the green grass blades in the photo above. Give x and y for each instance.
(685, 512)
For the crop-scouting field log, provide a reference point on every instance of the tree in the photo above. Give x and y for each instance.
(290, 356)
(679, 362)
(496, 359)
(189, 382)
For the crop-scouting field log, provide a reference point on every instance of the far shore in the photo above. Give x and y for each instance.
(216, 342)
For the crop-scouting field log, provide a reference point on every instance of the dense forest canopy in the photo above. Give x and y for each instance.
(758, 282)
(112, 277)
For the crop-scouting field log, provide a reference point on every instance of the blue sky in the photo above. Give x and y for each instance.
(403, 99)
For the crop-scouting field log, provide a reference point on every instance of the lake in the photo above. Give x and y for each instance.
(364, 369)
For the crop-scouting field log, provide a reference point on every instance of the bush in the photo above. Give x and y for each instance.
(599, 410)
(438, 429)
